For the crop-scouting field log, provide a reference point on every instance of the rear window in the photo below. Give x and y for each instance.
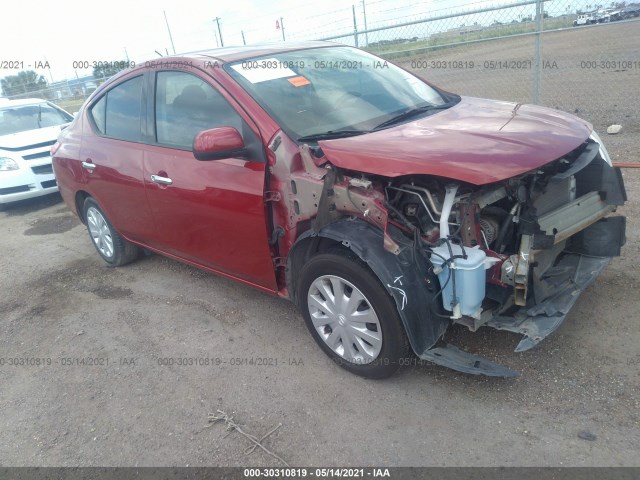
(118, 113)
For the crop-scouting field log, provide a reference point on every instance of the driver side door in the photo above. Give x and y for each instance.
(210, 213)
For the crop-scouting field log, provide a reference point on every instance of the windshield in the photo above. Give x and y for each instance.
(30, 117)
(321, 90)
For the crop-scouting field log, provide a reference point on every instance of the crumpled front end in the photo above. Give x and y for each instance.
(563, 285)
(565, 240)
(514, 255)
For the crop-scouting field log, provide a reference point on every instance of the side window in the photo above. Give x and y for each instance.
(185, 105)
(117, 114)
(98, 112)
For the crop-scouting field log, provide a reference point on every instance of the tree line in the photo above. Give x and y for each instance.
(25, 83)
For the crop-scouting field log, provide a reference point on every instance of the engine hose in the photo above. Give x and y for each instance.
(400, 216)
(504, 229)
(453, 279)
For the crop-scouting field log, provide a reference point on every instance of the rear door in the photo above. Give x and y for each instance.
(208, 212)
(112, 154)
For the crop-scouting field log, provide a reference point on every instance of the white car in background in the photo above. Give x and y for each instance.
(28, 129)
(606, 16)
(585, 19)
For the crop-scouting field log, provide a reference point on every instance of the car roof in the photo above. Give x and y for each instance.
(7, 102)
(235, 53)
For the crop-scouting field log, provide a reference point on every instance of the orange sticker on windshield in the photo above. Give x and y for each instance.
(299, 81)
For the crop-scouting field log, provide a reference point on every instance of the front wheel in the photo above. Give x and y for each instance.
(351, 316)
(113, 249)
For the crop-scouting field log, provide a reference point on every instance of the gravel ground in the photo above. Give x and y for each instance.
(575, 402)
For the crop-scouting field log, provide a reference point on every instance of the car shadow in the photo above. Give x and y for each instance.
(29, 205)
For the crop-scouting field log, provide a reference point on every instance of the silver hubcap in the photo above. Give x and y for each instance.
(100, 232)
(344, 319)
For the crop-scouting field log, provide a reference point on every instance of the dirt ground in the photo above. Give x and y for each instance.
(90, 370)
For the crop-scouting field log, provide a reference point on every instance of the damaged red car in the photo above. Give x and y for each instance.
(386, 208)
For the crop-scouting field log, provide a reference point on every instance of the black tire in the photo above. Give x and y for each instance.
(121, 251)
(351, 270)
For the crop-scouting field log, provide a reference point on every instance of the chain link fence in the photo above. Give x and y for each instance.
(575, 57)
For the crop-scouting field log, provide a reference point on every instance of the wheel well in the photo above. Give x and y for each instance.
(81, 196)
(397, 273)
(301, 254)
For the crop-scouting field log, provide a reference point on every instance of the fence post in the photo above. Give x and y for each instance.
(537, 54)
(366, 29)
(355, 25)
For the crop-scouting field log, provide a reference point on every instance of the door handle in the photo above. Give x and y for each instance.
(161, 180)
(88, 165)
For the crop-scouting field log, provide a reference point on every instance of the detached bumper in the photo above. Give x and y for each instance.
(566, 241)
(569, 278)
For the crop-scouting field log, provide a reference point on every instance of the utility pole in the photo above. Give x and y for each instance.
(282, 27)
(169, 30)
(355, 25)
(217, 20)
(366, 30)
(50, 75)
(243, 40)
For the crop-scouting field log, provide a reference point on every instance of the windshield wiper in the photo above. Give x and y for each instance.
(332, 134)
(412, 112)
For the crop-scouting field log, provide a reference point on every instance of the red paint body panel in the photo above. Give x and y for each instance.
(117, 185)
(212, 214)
(216, 139)
(477, 141)
(66, 167)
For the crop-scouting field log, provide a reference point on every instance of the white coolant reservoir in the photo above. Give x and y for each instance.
(470, 278)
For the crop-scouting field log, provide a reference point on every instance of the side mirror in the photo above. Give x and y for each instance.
(218, 143)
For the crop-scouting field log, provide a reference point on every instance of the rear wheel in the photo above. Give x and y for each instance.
(113, 249)
(351, 316)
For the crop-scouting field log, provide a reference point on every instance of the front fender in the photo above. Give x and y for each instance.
(397, 273)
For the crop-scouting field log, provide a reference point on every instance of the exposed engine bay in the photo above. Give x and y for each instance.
(523, 226)
(513, 255)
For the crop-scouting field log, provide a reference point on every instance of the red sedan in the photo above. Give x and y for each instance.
(386, 208)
